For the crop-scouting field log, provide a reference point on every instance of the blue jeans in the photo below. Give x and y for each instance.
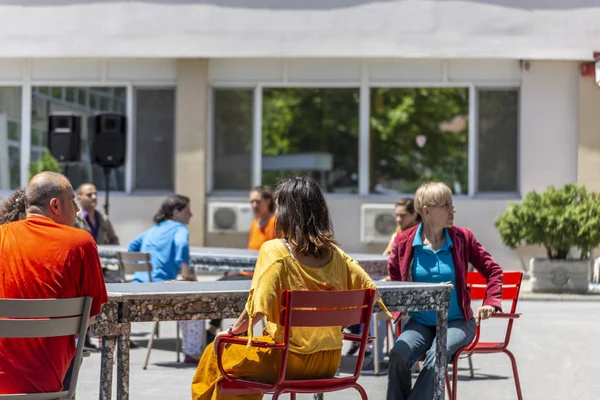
(415, 341)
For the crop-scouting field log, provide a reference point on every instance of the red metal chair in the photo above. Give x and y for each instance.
(510, 291)
(307, 309)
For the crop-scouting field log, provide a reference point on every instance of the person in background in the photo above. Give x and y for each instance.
(167, 242)
(261, 230)
(305, 258)
(436, 251)
(90, 219)
(406, 217)
(14, 208)
(263, 226)
(45, 257)
(96, 224)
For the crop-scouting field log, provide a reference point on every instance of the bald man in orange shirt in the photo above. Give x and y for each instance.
(44, 257)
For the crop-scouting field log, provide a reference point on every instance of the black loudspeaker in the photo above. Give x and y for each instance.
(64, 136)
(108, 133)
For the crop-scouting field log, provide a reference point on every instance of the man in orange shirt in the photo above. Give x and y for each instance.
(41, 257)
(263, 226)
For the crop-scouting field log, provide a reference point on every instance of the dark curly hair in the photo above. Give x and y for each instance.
(14, 208)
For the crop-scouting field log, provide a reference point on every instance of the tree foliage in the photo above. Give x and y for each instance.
(47, 163)
(306, 120)
(399, 116)
(558, 219)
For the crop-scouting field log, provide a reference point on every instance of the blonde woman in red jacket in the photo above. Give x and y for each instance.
(436, 251)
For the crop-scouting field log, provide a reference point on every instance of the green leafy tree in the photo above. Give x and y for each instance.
(307, 120)
(558, 219)
(399, 116)
(47, 163)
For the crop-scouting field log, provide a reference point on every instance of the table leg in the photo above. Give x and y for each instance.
(441, 363)
(374, 329)
(106, 366)
(123, 366)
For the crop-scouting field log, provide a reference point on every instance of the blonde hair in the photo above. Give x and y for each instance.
(432, 194)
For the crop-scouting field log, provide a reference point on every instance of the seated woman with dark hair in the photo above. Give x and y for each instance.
(167, 242)
(306, 258)
(14, 208)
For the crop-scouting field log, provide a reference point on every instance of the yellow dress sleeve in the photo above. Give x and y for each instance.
(265, 297)
(269, 252)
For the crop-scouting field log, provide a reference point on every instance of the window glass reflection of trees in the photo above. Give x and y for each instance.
(417, 135)
(311, 131)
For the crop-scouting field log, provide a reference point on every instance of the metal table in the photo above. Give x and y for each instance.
(220, 259)
(176, 300)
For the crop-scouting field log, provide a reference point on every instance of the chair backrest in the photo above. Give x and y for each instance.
(41, 318)
(511, 287)
(130, 262)
(326, 309)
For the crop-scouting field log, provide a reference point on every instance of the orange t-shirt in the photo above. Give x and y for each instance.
(260, 235)
(40, 259)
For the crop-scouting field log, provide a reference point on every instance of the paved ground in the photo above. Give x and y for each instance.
(555, 343)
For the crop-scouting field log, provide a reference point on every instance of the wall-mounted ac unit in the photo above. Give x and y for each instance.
(377, 223)
(229, 217)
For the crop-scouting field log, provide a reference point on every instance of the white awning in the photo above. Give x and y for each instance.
(517, 29)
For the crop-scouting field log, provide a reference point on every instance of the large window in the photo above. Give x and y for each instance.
(311, 132)
(155, 129)
(417, 135)
(85, 101)
(498, 126)
(232, 152)
(10, 137)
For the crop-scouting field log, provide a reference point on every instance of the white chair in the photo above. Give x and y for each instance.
(130, 262)
(43, 319)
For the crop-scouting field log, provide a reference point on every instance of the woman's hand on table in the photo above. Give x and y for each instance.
(484, 312)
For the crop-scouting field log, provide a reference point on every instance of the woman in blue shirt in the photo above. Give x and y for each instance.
(167, 242)
(437, 251)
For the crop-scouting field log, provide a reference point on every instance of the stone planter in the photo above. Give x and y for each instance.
(559, 276)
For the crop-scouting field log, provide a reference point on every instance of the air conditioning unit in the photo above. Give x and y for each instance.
(229, 217)
(377, 222)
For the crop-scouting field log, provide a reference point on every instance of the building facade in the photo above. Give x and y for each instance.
(369, 97)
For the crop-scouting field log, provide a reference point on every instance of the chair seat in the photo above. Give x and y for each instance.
(487, 347)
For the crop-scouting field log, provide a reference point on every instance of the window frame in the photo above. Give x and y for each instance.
(15, 85)
(500, 194)
(364, 86)
(26, 85)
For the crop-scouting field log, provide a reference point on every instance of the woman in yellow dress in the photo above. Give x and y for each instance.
(305, 258)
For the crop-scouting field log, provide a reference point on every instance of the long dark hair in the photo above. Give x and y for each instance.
(267, 194)
(169, 205)
(409, 204)
(302, 216)
(14, 208)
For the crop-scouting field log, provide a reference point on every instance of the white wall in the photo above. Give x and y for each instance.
(548, 143)
(529, 29)
(549, 124)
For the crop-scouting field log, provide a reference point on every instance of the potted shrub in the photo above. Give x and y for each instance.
(566, 222)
